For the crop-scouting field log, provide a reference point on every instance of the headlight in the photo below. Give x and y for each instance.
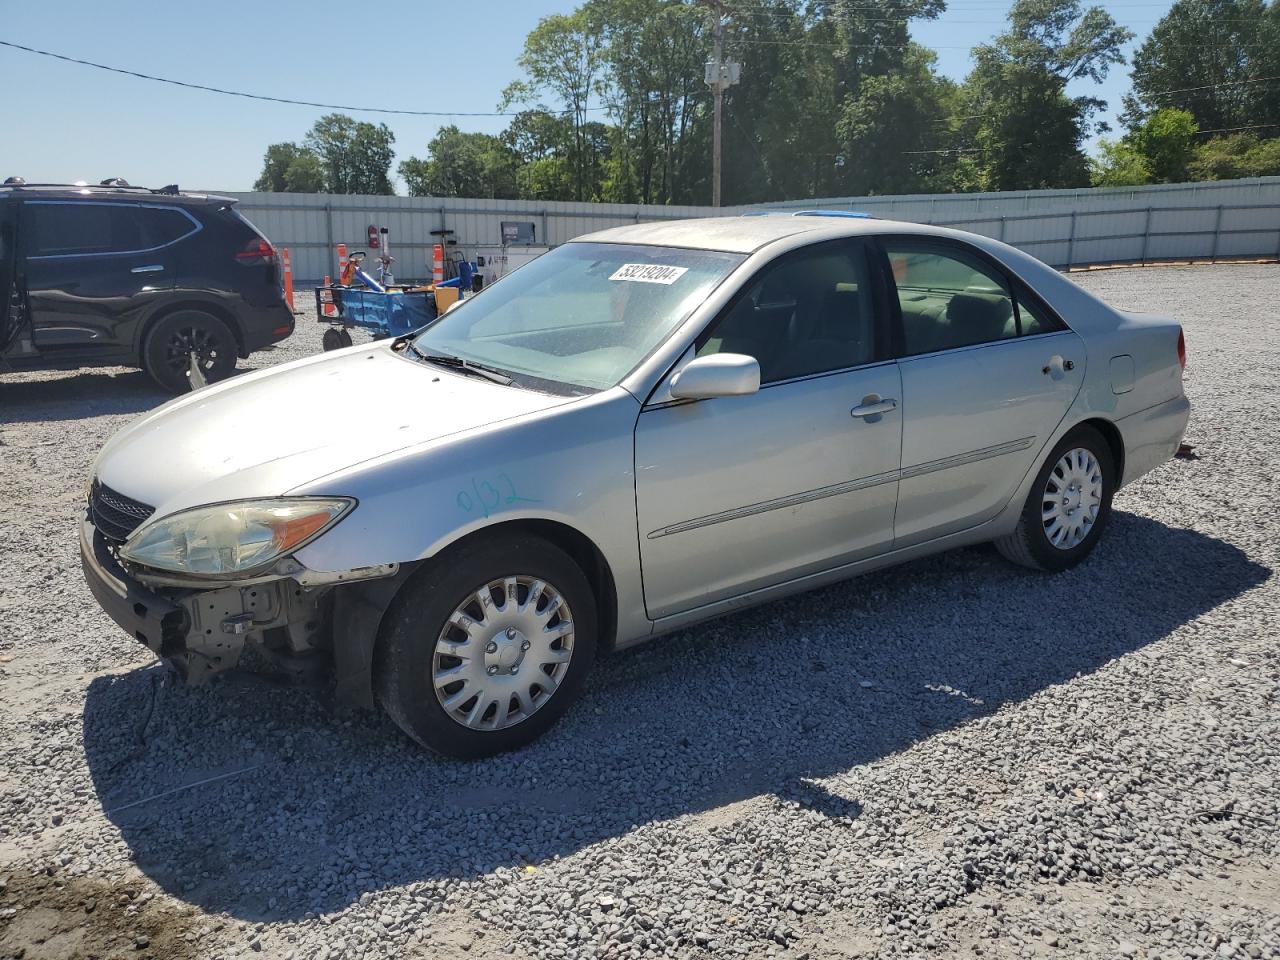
(233, 539)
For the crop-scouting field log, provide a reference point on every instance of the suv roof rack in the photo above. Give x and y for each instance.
(111, 183)
(848, 214)
(851, 214)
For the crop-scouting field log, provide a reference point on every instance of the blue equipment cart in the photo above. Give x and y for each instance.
(389, 313)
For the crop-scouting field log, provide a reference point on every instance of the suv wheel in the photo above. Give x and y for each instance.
(167, 351)
(486, 646)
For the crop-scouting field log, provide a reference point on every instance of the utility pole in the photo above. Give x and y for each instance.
(719, 77)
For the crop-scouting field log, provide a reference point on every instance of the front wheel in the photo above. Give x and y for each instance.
(485, 647)
(171, 344)
(1068, 506)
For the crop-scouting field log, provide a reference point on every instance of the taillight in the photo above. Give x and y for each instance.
(1182, 349)
(256, 251)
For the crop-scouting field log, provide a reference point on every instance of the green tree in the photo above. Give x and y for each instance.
(355, 156)
(652, 56)
(779, 126)
(1211, 58)
(1028, 131)
(290, 168)
(1235, 156)
(890, 131)
(1168, 142)
(463, 165)
(1157, 151)
(872, 36)
(562, 57)
(542, 144)
(1119, 164)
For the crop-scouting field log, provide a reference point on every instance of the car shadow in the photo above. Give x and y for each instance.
(75, 395)
(81, 394)
(258, 802)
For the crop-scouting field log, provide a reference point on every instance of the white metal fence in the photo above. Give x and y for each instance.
(1065, 228)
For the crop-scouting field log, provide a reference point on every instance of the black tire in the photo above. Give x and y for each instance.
(344, 337)
(418, 616)
(168, 346)
(1029, 545)
(332, 339)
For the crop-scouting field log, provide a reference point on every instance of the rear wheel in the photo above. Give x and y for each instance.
(175, 339)
(1068, 506)
(487, 646)
(335, 338)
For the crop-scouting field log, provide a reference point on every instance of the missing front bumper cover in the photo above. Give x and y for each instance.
(203, 629)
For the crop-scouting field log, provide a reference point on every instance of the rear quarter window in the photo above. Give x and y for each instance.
(160, 226)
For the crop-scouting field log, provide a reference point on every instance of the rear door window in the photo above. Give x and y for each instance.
(69, 229)
(950, 298)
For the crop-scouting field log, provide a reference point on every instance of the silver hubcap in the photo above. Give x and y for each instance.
(1072, 498)
(503, 653)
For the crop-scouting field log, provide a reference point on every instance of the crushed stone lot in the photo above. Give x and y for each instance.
(952, 757)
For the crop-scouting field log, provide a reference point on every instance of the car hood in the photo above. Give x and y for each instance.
(269, 432)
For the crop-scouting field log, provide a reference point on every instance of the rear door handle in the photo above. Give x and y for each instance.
(149, 268)
(873, 406)
(1057, 365)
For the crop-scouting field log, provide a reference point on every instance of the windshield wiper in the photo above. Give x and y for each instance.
(466, 366)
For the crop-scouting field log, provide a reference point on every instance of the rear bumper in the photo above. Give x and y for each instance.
(264, 326)
(1151, 436)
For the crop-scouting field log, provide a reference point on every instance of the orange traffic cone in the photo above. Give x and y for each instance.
(437, 263)
(326, 298)
(288, 278)
(344, 266)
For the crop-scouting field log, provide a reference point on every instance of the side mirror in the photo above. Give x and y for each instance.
(717, 375)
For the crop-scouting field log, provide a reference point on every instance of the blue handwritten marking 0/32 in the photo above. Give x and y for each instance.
(488, 495)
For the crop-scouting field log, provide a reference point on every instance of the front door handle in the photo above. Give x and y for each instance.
(149, 268)
(873, 406)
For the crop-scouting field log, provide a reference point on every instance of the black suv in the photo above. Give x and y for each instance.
(112, 275)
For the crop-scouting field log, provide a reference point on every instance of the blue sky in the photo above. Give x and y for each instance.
(65, 122)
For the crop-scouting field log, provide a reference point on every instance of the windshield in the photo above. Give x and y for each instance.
(584, 314)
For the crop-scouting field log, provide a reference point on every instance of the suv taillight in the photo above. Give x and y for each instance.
(1182, 349)
(256, 251)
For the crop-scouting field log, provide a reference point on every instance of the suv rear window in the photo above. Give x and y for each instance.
(80, 229)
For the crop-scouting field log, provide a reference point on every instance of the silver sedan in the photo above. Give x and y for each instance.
(642, 429)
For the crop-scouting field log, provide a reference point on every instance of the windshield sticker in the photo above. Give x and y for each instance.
(649, 273)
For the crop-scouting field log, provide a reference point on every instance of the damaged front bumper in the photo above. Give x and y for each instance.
(203, 629)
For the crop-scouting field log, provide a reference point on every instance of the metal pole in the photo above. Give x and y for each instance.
(717, 51)
(328, 232)
(1071, 242)
(1146, 236)
(1217, 233)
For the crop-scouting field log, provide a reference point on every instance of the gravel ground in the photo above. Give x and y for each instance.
(952, 757)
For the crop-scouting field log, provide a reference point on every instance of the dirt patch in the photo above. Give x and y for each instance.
(44, 917)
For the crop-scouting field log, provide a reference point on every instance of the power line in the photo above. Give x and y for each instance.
(1255, 126)
(1210, 86)
(259, 96)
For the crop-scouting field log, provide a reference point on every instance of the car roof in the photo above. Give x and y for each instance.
(748, 233)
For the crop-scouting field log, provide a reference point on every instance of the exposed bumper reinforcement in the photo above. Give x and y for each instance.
(148, 617)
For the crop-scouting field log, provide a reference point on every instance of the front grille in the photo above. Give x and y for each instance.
(115, 515)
